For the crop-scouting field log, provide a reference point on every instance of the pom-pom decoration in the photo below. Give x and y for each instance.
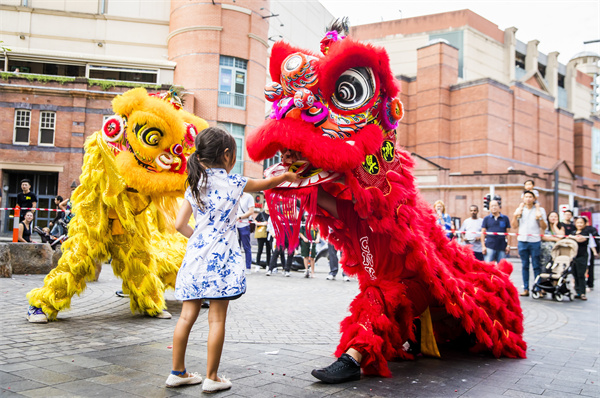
(304, 99)
(190, 135)
(392, 113)
(164, 160)
(176, 149)
(113, 128)
(273, 91)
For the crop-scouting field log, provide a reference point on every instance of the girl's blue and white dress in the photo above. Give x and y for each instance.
(213, 266)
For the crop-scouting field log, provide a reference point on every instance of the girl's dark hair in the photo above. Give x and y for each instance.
(211, 144)
(59, 198)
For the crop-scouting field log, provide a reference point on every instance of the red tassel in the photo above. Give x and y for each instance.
(286, 207)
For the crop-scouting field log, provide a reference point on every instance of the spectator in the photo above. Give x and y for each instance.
(555, 231)
(26, 199)
(568, 223)
(581, 259)
(25, 227)
(495, 247)
(245, 211)
(263, 237)
(57, 229)
(529, 186)
(472, 229)
(593, 244)
(334, 264)
(308, 248)
(444, 220)
(529, 218)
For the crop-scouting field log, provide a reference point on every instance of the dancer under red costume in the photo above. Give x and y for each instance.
(334, 118)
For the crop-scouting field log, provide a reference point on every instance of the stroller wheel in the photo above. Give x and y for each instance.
(559, 297)
(535, 294)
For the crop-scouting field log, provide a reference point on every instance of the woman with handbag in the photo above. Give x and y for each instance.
(263, 237)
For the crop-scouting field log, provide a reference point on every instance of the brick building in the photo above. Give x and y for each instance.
(56, 88)
(485, 112)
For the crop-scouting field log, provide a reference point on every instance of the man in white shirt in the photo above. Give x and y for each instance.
(245, 211)
(472, 232)
(530, 220)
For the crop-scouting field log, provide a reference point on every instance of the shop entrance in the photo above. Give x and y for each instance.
(43, 184)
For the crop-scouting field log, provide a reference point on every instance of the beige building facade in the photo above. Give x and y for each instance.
(484, 112)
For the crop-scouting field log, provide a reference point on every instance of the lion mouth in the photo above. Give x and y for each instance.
(308, 175)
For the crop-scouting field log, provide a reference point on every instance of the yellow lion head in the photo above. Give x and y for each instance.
(151, 137)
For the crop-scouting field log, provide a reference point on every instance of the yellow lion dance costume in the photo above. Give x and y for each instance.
(134, 169)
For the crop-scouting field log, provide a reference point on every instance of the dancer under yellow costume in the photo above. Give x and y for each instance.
(134, 169)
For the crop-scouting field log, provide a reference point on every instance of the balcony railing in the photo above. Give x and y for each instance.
(232, 100)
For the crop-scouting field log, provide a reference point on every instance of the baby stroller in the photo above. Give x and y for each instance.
(553, 279)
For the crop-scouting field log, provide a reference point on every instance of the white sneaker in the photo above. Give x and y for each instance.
(346, 279)
(287, 273)
(268, 273)
(176, 381)
(163, 315)
(330, 277)
(211, 386)
(36, 315)
(257, 268)
(274, 270)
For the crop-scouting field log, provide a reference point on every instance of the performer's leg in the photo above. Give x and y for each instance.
(169, 256)
(76, 266)
(378, 314)
(133, 263)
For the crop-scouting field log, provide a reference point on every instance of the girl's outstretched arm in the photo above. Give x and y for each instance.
(268, 183)
(183, 219)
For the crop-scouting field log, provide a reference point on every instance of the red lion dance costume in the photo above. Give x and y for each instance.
(336, 114)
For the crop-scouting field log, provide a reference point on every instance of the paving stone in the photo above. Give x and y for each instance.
(14, 367)
(45, 376)
(47, 392)
(22, 385)
(99, 347)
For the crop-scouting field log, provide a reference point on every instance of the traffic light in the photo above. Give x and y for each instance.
(486, 201)
(498, 199)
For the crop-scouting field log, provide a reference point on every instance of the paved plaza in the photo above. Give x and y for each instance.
(277, 333)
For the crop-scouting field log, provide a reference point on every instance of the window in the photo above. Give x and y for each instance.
(232, 82)
(237, 131)
(22, 123)
(274, 160)
(125, 74)
(47, 120)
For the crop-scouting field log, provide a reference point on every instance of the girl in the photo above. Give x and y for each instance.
(213, 267)
(581, 259)
(557, 230)
(25, 227)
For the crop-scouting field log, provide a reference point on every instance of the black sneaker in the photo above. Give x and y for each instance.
(343, 370)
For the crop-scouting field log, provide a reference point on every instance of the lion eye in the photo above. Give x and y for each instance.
(354, 88)
(150, 136)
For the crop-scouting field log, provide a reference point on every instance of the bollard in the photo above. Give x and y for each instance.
(16, 218)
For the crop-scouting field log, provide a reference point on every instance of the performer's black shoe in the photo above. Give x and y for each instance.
(343, 370)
